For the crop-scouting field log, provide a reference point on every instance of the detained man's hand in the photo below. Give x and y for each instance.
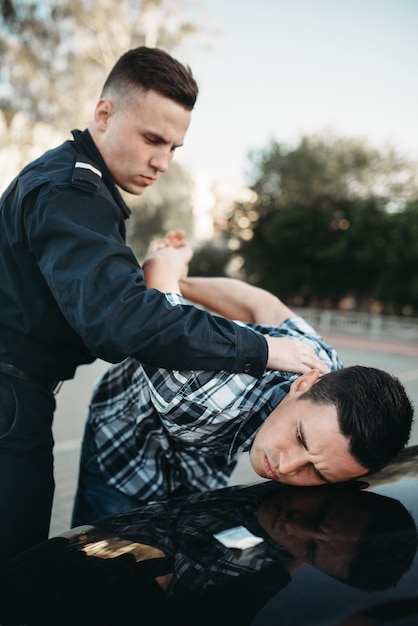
(291, 355)
(167, 262)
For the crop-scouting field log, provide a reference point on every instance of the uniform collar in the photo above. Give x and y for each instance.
(84, 143)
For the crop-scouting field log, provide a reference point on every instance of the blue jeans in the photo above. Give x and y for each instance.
(95, 499)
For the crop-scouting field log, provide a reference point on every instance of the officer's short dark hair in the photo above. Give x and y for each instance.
(152, 68)
(374, 412)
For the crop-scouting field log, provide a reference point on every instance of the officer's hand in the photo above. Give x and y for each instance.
(291, 355)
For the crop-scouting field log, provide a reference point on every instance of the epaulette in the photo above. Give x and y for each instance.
(86, 173)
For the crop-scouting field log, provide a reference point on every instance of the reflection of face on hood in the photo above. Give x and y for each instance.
(363, 538)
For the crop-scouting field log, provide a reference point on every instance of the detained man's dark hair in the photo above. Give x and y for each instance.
(152, 68)
(374, 411)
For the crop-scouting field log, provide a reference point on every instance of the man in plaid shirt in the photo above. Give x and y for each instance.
(154, 433)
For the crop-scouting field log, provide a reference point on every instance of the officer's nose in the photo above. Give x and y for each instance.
(161, 161)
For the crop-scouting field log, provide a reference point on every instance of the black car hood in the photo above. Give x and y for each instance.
(263, 554)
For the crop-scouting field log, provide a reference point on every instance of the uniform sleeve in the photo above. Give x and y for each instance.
(77, 238)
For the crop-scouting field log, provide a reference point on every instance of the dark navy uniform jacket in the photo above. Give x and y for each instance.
(71, 289)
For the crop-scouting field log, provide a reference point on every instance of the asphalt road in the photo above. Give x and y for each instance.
(73, 399)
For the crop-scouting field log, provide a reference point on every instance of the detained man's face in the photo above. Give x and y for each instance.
(300, 443)
(137, 137)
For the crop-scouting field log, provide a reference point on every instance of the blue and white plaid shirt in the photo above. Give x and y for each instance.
(159, 430)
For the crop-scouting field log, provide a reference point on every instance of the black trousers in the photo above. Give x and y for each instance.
(26, 464)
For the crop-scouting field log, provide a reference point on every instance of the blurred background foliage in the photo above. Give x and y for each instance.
(330, 222)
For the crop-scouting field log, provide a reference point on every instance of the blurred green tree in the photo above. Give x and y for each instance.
(7, 10)
(330, 167)
(329, 219)
(318, 254)
(397, 284)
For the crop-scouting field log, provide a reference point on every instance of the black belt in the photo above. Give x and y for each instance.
(50, 384)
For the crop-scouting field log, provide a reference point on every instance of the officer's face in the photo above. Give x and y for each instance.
(300, 443)
(137, 137)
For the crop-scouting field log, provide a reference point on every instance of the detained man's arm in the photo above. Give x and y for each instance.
(165, 268)
(235, 299)
(167, 271)
(238, 300)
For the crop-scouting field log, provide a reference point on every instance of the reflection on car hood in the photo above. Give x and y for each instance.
(260, 554)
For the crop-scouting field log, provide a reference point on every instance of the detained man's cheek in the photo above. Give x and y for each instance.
(256, 462)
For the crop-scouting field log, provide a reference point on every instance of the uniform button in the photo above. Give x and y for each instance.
(247, 368)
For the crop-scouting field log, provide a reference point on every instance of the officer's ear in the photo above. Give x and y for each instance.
(103, 112)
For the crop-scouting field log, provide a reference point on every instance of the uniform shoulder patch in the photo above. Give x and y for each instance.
(86, 172)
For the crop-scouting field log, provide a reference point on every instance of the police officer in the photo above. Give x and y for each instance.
(71, 289)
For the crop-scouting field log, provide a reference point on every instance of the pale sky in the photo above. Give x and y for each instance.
(279, 69)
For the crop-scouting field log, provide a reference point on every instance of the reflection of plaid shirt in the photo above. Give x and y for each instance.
(184, 529)
(158, 430)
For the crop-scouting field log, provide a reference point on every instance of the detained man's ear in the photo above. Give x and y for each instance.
(304, 382)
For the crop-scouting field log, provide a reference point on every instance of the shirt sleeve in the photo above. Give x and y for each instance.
(77, 239)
